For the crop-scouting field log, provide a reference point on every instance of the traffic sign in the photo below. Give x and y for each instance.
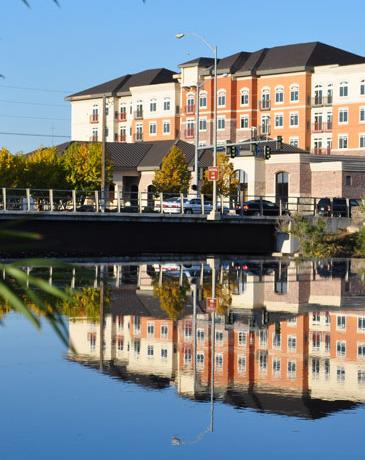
(213, 173)
(211, 304)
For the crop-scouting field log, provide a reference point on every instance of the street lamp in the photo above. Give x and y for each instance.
(213, 214)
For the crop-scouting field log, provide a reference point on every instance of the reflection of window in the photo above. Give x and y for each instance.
(164, 330)
(361, 377)
(292, 343)
(361, 350)
(327, 368)
(150, 329)
(187, 355)
(137, 324)
(241, 364)
(263, 361)
(263, 337)
(276, 366)
(200, 359)
(292, 369)
(163, 353)
(188, 330)
(316, 341)
(340, 374)
(137, 346)
(281, 280)
(276, 340)
(315, 367)
(361, 323)
(292, 321)
(219, 360)
(150, 351)
(242, 338)
(327, 343)
(200, 335)
(341, 348)
(120, 343)
(91, 338)
(341, 322)
(219, 336)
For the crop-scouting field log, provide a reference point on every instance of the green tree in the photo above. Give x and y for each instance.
(44, 169)
(174, 175)
(227, 181)
(82, 164)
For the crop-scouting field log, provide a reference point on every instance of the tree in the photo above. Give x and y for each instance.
(174, 175)
(82, 164)
(227, 182)
(44, 169)
(172, 296)
(10, 169)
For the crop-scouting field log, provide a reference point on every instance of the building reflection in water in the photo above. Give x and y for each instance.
(287, 338)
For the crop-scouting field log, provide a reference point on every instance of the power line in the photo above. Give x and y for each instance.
(34, 118)
(36, 89)
(33, 135)
(32, 103)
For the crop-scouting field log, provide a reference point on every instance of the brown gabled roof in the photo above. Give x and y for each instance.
(199, 61)
(124, 83)
(160, 149)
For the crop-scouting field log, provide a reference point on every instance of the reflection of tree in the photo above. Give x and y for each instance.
(4, 309)
(223, 291)
(84, 304)
(172, 295)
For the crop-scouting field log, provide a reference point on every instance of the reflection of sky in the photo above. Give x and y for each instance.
(54, 409)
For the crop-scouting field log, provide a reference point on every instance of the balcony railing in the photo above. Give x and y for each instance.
(93, 139)
(94, 118)
(265, 104)
(138, 114)
(189, 133)
(319, 101)
(138, 137)
(264, 130)
(121, 116)
(190, 108)
(122, 138)
(321, 151)
(321, 126)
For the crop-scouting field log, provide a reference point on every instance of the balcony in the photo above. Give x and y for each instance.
(320, 101)
(264, 130)
(321, 151)
(265, 104)
(93, 139)
(138, 114)
(189, 133)
(121, 116)
(190, 109)
(320, 127)
(94, 118)
(138, 137)
(122, 138)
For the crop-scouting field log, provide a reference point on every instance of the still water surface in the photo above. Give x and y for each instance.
(276, 370)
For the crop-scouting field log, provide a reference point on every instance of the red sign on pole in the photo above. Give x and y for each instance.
(211, 304)
(213, 173)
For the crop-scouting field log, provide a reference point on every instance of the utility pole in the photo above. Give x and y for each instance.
(103, 148)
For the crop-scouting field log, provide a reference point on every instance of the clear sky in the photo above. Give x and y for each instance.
(86, 42)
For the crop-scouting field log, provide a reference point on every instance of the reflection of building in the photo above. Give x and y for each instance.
(297, 359)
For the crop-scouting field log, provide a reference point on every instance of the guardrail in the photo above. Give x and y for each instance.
(80, 201)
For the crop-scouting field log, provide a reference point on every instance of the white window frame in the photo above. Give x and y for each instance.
(362, 113)
(242, 343)
(151, 125)
(150, 326)
(281, 115)
(342, 137)
(292, 338)
(342, 345)
(361, 321)
(222, 94)
(294, 141)
(167, 102)
(203, 95)
(153, 103)
(245, 92)
(294, 89)
(343, 113)
(247, 121)
(292, 368)
(164, 124)
(293, 114)
(362, 88)
(219, 120)
(203, 120)
(150, 351)
(362, 140)
(344, 87)
(279, 91)
(164, 335)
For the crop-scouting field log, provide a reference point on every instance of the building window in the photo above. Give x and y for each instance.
(292, 321)
(361, 324)
(153, 105)
(348, 181)
(362, 114)
(292, 369)
(340, 374)
(294, 119)
(361, 377)
(188, 330)
(120, 343)
(294, 141)
(342, 141)
(153, 128)
(341, 322)
(164, 331)
(343, 116)
(91, 338)
(187, 355)
(150, 351)
(200, 359)
(242, 338)
(279, 95)
(163, 353)
(265, 102)
(265, 124)
(202, 124)
(166, 104)
(221, 123)
(361, 350)
(150, 329)
(219, 360)
(244, 121)
(294, 93)
(190, 106)
(166, 127)
(292, 343)
(344, 89)
(316, 341)
(137, 347)
(276, 366)
(316, 317)
(263, 337)
(263, 361)
(341, 348)
(203, 100)
(94, 137)
(244, 97)
(241, 364)
(221, 98)
(362, 88)
(279, 120)
(276, 341)
(316, 366)
(200, 335)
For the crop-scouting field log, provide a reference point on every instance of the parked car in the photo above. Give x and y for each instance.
(253, 208)
(194, 206)
(336, 207)
(171, 205)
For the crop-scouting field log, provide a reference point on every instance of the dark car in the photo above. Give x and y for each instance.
(258, 208)
(336, 207)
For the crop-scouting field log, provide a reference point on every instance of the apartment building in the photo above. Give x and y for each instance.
(139, 107)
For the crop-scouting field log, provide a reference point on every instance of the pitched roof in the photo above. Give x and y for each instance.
(199, 61)
(158, 151)
(233, 62)
(124, 83)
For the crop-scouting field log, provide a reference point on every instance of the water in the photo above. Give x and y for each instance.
(289, 363)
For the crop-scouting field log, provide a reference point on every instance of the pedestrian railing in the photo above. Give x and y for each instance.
(81, 201)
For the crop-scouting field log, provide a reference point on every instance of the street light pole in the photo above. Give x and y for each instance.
(103, 149)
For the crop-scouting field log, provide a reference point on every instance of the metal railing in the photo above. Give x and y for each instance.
(319, 101)
(118, 201)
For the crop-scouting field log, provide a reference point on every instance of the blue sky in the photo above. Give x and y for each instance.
(86, 42)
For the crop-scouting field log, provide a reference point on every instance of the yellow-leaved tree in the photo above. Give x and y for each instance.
(227, 181)
(174, 175)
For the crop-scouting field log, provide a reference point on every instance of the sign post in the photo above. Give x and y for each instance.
(212, 304)
(213, 173)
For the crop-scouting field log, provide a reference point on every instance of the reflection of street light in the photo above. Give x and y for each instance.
(213, 215)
